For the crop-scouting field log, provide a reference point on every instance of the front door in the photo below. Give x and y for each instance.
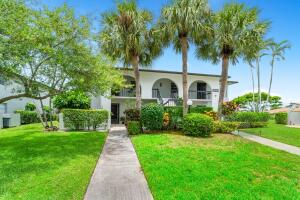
(115, 113)
(201, 90)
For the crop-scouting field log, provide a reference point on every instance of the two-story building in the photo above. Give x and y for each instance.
(164, 87)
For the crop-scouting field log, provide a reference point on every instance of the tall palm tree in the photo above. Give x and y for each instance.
(236, 28)
(277, 53)
(181, 23)
(127, 36)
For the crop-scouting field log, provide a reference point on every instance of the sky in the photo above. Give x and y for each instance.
(284, 15)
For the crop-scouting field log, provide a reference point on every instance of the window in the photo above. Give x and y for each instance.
(2, 81)
(3, 107)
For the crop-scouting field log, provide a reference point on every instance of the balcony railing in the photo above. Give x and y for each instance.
(126, 92)
(203, 95)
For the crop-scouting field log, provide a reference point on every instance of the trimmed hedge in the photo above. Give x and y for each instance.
(28, 117)
(152, 116)
(225, 127)
(281, 118)
(132, 115)
(175, 116)
(200, 109)
(134, 127)
(243, 125)
(249, 117)
(78, 119)
(195, 124)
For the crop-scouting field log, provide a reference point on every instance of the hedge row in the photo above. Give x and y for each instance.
(281, 118)
(78, 119)
(249, 117)
(30, 117)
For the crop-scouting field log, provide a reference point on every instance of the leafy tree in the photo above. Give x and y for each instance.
(127, 36)
(236, 28)
(246, 102)
(184, 22)
(48, 52)
(72, 99)
(278, 50)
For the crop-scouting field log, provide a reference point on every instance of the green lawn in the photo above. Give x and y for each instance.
(42, 165)
(278, 132)
(220, 167)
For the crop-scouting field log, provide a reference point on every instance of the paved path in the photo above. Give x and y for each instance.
(268, 142)
(118, 174)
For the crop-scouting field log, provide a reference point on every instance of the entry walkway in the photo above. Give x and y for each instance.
(118, 174)
(268, 142)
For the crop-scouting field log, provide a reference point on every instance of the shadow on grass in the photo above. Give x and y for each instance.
(30, 151)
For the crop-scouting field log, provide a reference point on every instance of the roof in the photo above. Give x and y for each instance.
(279, 110)
(296, 110)
(176, 72)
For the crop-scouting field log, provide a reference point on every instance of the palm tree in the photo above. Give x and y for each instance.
(127, 36)
(181, 23)
(277, 52)
(236, 28)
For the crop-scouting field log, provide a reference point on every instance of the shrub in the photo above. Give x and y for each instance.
(200, 109)
(243, 125)
(28, 117)
(132, 115)
(134, 127)
(228, 108)
(197, 125)
(175, 116)
(30, 107)
(77, 119)
(249, 117)
(73, 100)
(212, 114)
(152, 116)
(225, 127)
(166, 120)
(281, 118)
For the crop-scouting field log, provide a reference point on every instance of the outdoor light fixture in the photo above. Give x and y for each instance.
(189, 103)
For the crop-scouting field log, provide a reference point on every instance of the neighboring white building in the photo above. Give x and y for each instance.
(164, 87)
(7, 109)
(294, 115)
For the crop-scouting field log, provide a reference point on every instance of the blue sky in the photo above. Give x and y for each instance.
(285, 16)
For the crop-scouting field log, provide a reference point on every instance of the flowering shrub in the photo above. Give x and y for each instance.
(212, 114)
(166, 119)
(229, 107)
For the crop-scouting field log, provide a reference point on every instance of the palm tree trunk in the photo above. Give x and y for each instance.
(258, 83)
(135, 65)
(184, 46)
(223, 82)
(253, 85)
(271, 80)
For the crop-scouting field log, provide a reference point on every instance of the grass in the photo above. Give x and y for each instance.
(220, 167)
(278, 132)
(41, 165)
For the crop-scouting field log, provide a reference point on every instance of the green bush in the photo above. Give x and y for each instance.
(197, 125)
(281, 118)
(249, 117)
(132, 115)
(176, 115)
(200, 109)
(243, 125)
(225, 127)
(152, 116)
(134, 127)
(78, 119)
(30, 107)
(72, 100)
(28, 117)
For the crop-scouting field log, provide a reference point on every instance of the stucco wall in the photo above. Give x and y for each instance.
(294, 118)
(149, 78)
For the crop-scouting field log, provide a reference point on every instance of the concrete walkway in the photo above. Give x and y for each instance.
(118, 174)
(268, 142)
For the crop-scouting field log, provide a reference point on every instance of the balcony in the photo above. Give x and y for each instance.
(200, 95)
(125, 92)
